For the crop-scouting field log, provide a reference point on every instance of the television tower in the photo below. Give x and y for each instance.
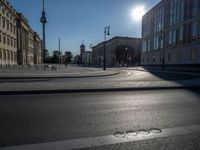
(43, 20)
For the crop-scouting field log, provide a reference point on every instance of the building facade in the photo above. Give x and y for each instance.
(18, 44)
(28, 43)
(8, 36)
(87, 58)
(171, 34)
(77, 59)
(128, 46)
(37, 49)
(82, 51)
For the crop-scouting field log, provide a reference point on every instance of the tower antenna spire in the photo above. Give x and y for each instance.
(43, 5)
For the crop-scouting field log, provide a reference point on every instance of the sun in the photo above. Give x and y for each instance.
(138, 12)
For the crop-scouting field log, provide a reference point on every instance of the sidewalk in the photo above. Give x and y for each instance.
(63, 87)
(160, 70)
(69, 72)
(48, 86)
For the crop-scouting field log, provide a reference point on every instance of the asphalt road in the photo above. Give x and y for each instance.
(27, 119)
(124, 75)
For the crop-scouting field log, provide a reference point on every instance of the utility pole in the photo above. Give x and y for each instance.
(43, 20)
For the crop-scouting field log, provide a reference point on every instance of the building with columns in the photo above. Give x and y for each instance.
(37, 49)
(8, 35)
(28, 43)
(19, 44)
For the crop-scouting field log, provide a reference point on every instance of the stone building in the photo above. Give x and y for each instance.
(18, 44)
(87, 58)
(131, 47)
(22, 40)
(30, 51)
(82, 51)
(37, 49)
(28, 43)
(8, 36)
(171, 35)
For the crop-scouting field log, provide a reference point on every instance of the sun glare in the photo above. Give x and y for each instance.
(138, 12)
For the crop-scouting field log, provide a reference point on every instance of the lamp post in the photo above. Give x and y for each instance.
(90, 55)
(126, 56)
(59, 51)
(106, 33)
(163, 55)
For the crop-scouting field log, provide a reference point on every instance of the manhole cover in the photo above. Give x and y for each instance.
(119, 134)
(155, 130)
(143, 132)
(131, 133)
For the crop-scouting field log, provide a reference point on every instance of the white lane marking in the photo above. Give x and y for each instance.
(104, 140)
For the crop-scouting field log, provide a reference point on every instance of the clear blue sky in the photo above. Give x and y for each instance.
(77, 20)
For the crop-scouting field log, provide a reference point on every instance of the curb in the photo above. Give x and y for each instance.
(65, 91)
(59, 77)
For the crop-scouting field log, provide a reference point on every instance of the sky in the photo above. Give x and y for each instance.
(75, 21)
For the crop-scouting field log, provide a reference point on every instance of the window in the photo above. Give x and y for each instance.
(193, 54)
(8, 25)
(176, 11)
(170, 37)
(8, 55)
(4, 39)
(146, 46)
(158, 42)
(14, 29)
(4, 22)
(146, 27)
(8, 40)
(4, 54)
(180, 55)
(173, 37)
(14, 43)
(195, 30)
(181, 34)
(11, 42)
(195, 7)
(159, 20)
(11, 28)
(169, 57)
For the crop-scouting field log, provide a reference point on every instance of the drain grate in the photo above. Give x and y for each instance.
(143, 131)
(119, 134)
(134, 133)
(131, 133)
(155, 130)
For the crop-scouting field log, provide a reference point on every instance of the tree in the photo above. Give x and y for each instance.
(46, 57)
(125, 54)
(55, 57)
(67, 57)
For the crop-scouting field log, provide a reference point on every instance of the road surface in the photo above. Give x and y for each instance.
(31, 119)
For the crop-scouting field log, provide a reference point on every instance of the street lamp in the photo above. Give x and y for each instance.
(59, 52)
(106, 33)
(90, 46)
(126, 56)
(163, 55)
